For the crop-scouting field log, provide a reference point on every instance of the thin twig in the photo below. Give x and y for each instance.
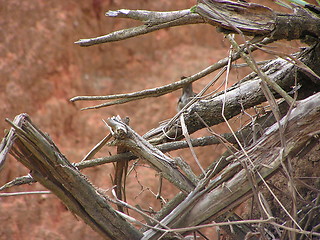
(195, 99)
(187, 136)
(159, 91)
(23, 193)
(292, 59)
(153, 21)
(229, 223)
(251, 62)
(97, 147)
(18, 181)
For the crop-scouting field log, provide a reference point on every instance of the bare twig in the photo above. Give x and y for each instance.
(18, 181)
(97, 148)
(153, 21)
(253, 65)
(187, 136)
(23, 193)
(159, 91)
(124, 204)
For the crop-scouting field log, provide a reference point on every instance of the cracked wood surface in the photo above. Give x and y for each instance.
(50, 168)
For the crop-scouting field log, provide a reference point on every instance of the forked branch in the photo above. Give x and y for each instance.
(153, 21)
(252, 19)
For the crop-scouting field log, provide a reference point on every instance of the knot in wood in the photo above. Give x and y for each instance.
(119, 128)
(120, 133)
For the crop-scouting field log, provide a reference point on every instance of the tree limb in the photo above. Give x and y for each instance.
(153, 21)
(203, 204)
(242, 95)
(250, 18)
(159, 91)
(246, 135)
(50, 168)
(126, 137)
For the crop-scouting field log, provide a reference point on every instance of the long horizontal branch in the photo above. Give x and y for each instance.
(153, 92)
(246, 135)
(243, 95)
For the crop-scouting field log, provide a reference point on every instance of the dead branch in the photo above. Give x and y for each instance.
(243, 95)
(245, 135)
(153, 21)
(203, 204)
(49, 167)
(255, 19)
(159, 91)
(207, 198)
(127, 138)
(201, 207)
(250, 18)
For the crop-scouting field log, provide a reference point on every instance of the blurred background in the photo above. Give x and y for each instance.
(41, 69)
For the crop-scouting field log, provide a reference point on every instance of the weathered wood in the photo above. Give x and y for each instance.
(126, 137)
(265, 158)
(256, 19)
(50, 168)
(243, 95)
(250, 18)
(153, 21)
